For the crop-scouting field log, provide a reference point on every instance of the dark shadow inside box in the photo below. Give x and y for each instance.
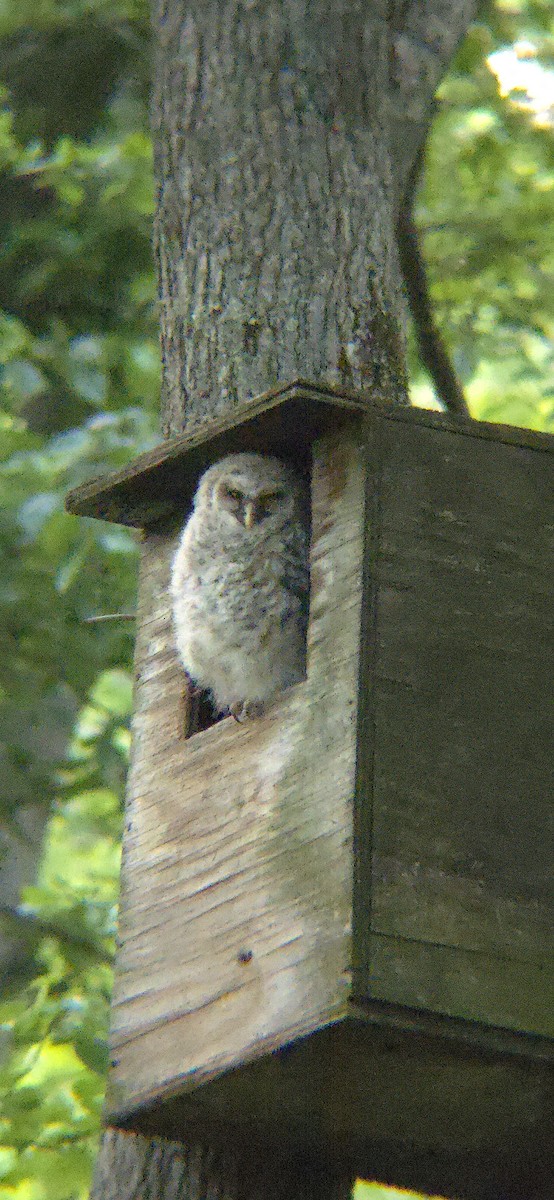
(201, 712)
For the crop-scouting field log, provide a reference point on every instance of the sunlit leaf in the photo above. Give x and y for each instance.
(113, 691)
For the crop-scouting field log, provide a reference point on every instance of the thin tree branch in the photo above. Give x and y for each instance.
(432, 350)
(31, 928)
(109, 617)
(423, 40)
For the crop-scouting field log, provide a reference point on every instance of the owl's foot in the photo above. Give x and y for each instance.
(246, 710)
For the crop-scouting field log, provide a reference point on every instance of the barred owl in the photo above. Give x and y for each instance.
(239, 583)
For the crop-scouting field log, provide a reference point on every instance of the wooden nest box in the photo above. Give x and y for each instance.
(337, 919)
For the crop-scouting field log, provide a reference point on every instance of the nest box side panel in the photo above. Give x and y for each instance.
(235, 916)
(462, 895)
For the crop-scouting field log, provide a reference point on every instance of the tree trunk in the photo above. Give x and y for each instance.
(131, 1167)
(275, 230)
(285, 133)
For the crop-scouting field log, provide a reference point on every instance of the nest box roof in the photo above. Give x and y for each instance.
(285, 421)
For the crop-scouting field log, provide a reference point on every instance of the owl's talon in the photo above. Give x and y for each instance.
(246, 710)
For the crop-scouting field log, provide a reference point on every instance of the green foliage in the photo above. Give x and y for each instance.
(376, 1191)
(54, 1045)
(79, 368)
(485, 209)
(79, 371)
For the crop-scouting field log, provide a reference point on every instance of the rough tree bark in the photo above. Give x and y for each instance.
(285, 136)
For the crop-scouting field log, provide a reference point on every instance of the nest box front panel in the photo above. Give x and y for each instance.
(462, 886)
(237, 877)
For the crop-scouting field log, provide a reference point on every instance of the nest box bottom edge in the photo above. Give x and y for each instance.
(427, 1109)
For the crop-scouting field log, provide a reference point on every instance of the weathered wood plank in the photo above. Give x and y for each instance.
(502, 992)
(237, 880)
(419, 1106)
(462, 711)
(285, 420)
(390, 789)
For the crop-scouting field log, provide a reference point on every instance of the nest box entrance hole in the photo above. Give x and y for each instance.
(199, 713)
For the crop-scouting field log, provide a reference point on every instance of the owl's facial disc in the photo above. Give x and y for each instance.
(249, 509)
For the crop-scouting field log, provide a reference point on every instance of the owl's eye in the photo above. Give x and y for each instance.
(268, 503)
(232, 494)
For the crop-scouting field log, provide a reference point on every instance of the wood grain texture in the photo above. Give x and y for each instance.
(284, 420)
(131, 1167)
(391, 1097)
(388, 789)
(501, 992)
(462, 705)
(237, 879)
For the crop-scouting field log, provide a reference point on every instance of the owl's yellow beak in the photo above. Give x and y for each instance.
(249, 514)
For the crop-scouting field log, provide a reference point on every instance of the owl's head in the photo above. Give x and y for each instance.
(250, 493)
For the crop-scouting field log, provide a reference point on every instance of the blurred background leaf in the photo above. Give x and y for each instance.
(485, 212)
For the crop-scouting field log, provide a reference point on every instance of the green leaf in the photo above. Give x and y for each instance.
(8, 1159)
(93, 1052)
(113, 691)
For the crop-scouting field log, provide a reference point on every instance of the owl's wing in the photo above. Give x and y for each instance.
(296, 583)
